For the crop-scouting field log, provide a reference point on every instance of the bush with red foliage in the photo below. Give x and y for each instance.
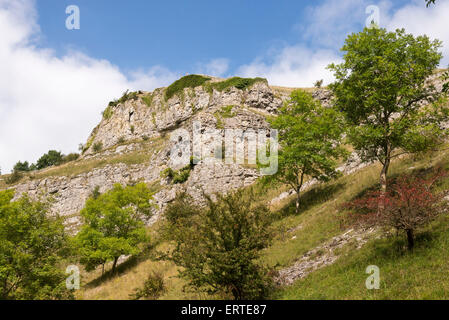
(409, 203)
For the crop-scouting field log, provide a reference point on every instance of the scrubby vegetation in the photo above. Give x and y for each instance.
(179, 176)
(236, 82)
(125, 97)
(218, 246)
(190, 81)
(33, 244)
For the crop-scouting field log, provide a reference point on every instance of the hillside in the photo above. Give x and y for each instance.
(314, 257)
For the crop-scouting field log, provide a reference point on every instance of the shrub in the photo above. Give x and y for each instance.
(98, 146)
(218, 247)
(153, 288)
(14, 177)
(132, 128)
(318, 83)
(408, 204)
(70, 157)
(52, 158)
(22, 166)
(190, 81)
(121, 140)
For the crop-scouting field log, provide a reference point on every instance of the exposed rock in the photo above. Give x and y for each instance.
(322, 255)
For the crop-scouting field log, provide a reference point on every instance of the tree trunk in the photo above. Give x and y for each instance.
(297, 202)
(114, 265)
(410, 239)
(383, 176)
(383, 183)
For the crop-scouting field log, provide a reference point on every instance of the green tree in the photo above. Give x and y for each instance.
(309, 139)
(218, 246)
(381, 88)
(32, 245)
(113, 225)
(22, 166)
(51, 158)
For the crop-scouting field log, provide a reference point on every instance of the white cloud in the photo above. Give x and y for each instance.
(325, 28)
(49, 102)
(293, 66)
(215, 67)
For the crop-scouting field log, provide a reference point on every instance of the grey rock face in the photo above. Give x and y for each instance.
(133, 121)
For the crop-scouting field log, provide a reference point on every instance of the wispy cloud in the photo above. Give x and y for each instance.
(215, 67)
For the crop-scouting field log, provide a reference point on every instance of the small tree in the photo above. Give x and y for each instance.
(22, 166)
(51, 158)
(408, 204)
(113, 225)
(32, 246)
(381, 88)
(218, 246)
(310, 141)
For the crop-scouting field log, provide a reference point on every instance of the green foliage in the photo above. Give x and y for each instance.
(125, 97)
(180, 176)
(318, 83)
(380, 88)
(52, 158)
(132, 128)
(113, 225)
(70, 157)
(121, 140)
(108, 112)
(22, 166)
(98, 146)
(218, 246)
(153, 288)
(190, 81)
(310, 141)
(148, 99)
(226, 112)
(14, 177)
(32, 245)
(236, 82)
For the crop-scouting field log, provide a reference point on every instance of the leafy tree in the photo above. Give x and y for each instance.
(381, 88)
(218, 246)
(309, 139)
(52, 158)
(22, 166)
(32, 245)
(408, 204)
(113, 225)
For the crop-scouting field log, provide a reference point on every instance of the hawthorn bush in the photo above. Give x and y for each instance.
(409, 203)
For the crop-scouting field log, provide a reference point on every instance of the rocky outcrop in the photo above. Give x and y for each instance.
(138, 127)
(148, 114)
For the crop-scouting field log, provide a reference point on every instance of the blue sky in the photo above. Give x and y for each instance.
(180, 34)
(54, 82)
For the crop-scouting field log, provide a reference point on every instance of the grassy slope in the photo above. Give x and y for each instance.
(422, 274)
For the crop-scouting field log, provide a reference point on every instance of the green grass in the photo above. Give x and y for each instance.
(421, 274)
(74, 168)
(236, 82)
(148, 99)
(190, 81)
